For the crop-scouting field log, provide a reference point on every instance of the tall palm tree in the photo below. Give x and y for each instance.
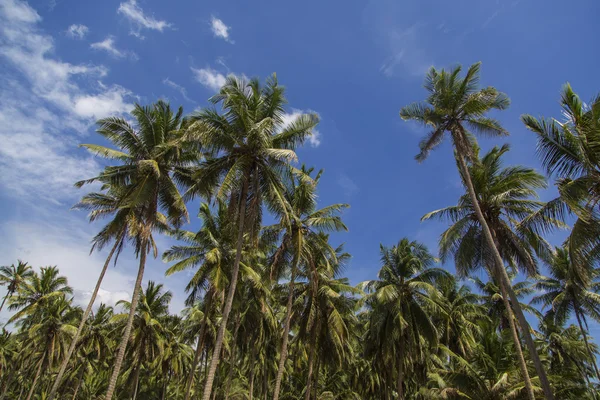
(454, 104)
(148, 334)
(251, 151)
(154, 155)
(506, 196)
(13, 277)
(570, 151)
(301, 225)
(564, 293)
(398, 299)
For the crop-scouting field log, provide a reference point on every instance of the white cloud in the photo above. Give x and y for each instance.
(209, 77)
(77, 31)
(139, 19)
(108, 45)
(408, 53)
(315, 139)
(178, 88)
(349, 187)
(220, 30)
(104, 104)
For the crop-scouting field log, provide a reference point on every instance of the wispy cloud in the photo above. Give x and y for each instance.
(408, 54)
(348, 186)
(139, 20)
(220, 30)
(178, 88)
(108, 45)
(77, 31)
(209, 77)
(314, 140)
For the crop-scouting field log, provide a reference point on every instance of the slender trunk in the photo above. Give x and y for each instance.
(316, 384)
(136, 381)
(516, 341)
(286, 334)
(8, 294)
(165, 386)
(587, 345)
(311, 359)
(252, 372)
(88, 310)
(265, 381)
(134, 301)
(78, 383)
(232, 358)
(214, 362)
(400, 382)
(504, 277)
(198, 353)
(37, 376)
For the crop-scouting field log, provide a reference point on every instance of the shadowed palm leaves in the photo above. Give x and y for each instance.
(397, 301)
(251, 152)
(154, 155)
(13, 277)
(564, 293)
(570, 150)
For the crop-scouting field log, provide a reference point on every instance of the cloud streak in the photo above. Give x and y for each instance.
(108, 45)
(77, 31)
(209, 78)
(220, 30)
(139, 20)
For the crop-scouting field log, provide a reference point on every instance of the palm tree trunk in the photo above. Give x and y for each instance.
(78, 383)
(134, 301)
(238, 323)
(136, 381)
(252, 371)
(504, 278)
(8, 294)
(198, 353)
(214, 362)
(516, 341)
(286, 334)
(37, 376)
(311, 360)
(316, 384)
(587, 345)
(265, 381)
(400, 382)
(88, 310)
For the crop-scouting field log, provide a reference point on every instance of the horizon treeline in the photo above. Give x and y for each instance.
(269, 313)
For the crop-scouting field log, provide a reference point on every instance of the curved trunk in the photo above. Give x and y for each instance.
(214, 362)
(286, 334)
(198, 352)
(587, 345)
(499, 263)
(232, 358)
(516, 341)
(8, 294)
(78, 383)
(88, 310)
(37, 376)
(134, 301)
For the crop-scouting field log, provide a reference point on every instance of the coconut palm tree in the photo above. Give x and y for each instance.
(564, 293)
(153, 156)
(398, 300)
(454, 105)
(13, 277)
(507, 198)
(570, 151)
(301, 224)
(251, 151)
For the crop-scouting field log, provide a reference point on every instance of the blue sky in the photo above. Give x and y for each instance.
(65, 63)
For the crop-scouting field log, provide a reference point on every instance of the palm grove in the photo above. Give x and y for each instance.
(269, 313)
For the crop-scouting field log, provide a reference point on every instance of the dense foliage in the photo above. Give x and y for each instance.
(269, 313)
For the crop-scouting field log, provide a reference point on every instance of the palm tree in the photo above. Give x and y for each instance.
(506, 196)
(252, 150)
(570, 150)
(398, 300)
(564, 293)
(148, 334)
(154, 155)
(302, 224)
(13, 277)
(455, 103)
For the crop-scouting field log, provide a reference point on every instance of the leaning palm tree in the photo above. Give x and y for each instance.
(564, 293)
(251, 152)
(301, 226)
(154, 155)
(13, 277)
(454, 104)
(570, 151)
(398, 300)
